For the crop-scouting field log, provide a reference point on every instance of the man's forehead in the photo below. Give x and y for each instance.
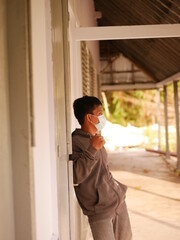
(98, 109)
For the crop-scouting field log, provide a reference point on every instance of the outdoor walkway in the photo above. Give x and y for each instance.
(153, 197)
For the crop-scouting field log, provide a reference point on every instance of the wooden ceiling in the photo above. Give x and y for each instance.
(159, 58)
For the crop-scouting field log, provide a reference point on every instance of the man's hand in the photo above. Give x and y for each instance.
(97, 141)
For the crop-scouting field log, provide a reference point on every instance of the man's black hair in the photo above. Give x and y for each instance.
(85, 105)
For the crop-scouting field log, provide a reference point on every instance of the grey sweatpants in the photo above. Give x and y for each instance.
(115, 228)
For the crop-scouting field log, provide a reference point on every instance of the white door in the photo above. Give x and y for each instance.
(60, 56)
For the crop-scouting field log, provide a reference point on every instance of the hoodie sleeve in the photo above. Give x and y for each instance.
(83, 161)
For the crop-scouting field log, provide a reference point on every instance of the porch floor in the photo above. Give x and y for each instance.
(153, 196)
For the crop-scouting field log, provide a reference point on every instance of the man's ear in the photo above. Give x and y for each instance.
(87, 117)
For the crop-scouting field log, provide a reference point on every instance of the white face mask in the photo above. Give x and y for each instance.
(102, 122)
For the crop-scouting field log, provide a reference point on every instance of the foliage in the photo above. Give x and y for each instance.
(139, 108)
(128, 108)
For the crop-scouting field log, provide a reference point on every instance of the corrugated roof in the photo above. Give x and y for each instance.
(159, 58)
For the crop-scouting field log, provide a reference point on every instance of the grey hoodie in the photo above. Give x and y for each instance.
(99, 194)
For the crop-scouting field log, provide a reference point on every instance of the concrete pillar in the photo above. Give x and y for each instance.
(176, 105)
(158, 118)
(166, 121)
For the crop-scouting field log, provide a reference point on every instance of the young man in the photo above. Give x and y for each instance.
(101, 197)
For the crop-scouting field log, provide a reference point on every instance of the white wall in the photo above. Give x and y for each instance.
(85, 15)
(123, 64)
(44, 149)
(82, 14)
(18, 75)
(6, 188)
(87, 19)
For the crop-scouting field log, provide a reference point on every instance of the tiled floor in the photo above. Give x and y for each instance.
(153, 197)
